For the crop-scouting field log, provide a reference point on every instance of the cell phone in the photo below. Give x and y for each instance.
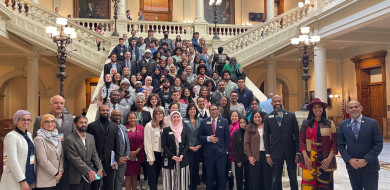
(97, 177)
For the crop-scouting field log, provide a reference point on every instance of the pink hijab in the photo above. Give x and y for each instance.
(177, 129)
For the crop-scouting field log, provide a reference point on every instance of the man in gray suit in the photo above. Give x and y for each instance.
(82, 155)
(65, 128)
(124, 153)
(114, 105)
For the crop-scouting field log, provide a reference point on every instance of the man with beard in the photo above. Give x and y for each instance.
(124, 149)
(114, 105)
(166, 40)
(82, 155)
(283, 127)
(107, 141)
(125, 99)
(218, 94)
(147, 62)
(112, 65)
(165, 94)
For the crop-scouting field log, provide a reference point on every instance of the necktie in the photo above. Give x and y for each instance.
(355, 129)
(121, 135)
(213, 126)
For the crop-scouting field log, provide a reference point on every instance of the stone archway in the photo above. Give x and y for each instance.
(286, 87)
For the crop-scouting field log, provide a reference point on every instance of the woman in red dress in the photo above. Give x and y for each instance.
(136, 139)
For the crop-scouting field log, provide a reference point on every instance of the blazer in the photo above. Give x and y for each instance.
(123, 111)
(105, 143)
(168, 144)
(146, 118)
(133, 67)
(124, 149)
(66, 127)
(238, 147)
(368, 146)
(80, 156)
(16, 150)
(49, 161)
(152, 141)
(222, 132)
(193, 134)
(139, 143)
(108, 66)
(285, 138)
(252, 144)
(137, 55)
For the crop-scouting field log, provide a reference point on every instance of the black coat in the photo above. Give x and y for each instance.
(108, 66)
(238, 147)
(168, 144)
(285, 138)
(105, 143)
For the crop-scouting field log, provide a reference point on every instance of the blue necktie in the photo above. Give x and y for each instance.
(121, 136)
(355, 129)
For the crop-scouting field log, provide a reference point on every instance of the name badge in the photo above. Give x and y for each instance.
(32, 159)
(209, 122)
(121, 53)
(186, 121)
(220, 127)
(171, 133)
(271, 116)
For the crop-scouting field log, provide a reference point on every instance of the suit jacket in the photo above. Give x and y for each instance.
(125, 148)
(108, 66)
(90, 13)
(81, 156)
(193, 134)
(207, 113)
(133, 66)
(222, 132)
(252, 144)
(66, 127)
(16, 150)
(49, 161)
(123, 111)
(368, 146)
(285, 138)
(168, 144)
(238, 147)
(105, 143)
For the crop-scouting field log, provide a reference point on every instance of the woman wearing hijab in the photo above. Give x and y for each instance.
(156, 76)
(49, 155)
(19, 171)
(172, 73)
(105, 90)
(318, 144)
(175, 143)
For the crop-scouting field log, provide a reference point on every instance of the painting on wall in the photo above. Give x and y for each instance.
(99, 9)
(225, 12)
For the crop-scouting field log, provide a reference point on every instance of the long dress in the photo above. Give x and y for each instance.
(320, 146)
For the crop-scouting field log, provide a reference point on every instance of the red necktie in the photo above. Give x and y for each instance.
(213, 126)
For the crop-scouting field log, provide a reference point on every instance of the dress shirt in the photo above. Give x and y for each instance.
(215, 125)
(261, 133)
(359, 121)
(81, 137)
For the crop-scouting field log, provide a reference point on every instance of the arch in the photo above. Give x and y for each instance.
(74, 83)
(279, 76)
(5, 79)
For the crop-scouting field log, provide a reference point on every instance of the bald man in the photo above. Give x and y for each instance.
(359, 142)
(64, 125)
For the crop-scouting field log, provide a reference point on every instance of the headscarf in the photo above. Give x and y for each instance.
(18, 114)
(177, 129)
(154, 76)
(173, 75)
(51, 136)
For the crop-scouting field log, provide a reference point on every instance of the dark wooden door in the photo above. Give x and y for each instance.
(157, 10)
(376, 103)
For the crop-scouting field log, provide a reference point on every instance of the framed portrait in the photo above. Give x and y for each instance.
(225, 12)
(98, 9)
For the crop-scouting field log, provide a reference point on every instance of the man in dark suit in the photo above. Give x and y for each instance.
(282, 126)
(82, 154)
(64, 125)
(359, 142)
(112, 64)
(107, 141)
(130, 64)
(213, 134)
(133, 49)
(124, 149)
(90, 12)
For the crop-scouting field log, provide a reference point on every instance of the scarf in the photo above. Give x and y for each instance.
(106, 92)
(177, 129)
(50, 136)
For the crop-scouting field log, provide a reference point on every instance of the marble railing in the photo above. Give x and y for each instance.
(29, 22)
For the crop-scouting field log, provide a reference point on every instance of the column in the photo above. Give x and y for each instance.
(121, 9)
(301, 90)
(200, 11)
(186, 10)
(339, 86)
(320, 72)
(271, 76)
(32, 86)
(2, 96)
(270, 9)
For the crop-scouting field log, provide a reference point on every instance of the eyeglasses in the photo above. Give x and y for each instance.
(25, 120)
(49, 122)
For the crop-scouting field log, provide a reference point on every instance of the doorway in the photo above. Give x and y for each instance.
(371, 85)
(157, 10)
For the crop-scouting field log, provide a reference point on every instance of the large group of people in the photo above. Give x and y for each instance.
(165, 107)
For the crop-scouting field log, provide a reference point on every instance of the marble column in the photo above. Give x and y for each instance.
(320, 86)
(186, 10)
(339, 86)
(271, 76)
(270, 9)
(121, 9)
(32, 86)
(200, 11)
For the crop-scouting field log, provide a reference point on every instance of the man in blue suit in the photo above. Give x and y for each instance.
(359, 142)
(214, 136)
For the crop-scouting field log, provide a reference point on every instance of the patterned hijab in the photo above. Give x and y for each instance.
(51, 136)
